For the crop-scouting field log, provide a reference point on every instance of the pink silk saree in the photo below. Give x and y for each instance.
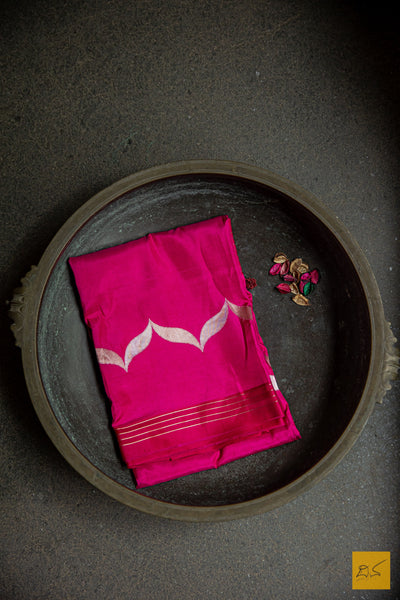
(181, 358)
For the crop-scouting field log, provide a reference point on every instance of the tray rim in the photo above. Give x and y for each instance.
(26, 336)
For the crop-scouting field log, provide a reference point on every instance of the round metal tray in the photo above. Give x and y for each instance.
(333, 360)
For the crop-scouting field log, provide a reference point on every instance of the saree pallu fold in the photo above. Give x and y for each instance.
(181, 358)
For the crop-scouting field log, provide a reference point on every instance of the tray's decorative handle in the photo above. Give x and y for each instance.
(391, 362)
(17, 305)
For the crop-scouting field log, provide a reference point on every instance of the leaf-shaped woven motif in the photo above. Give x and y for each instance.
(213, 325)
(175, 334)
(137, 345)
(243, 312)
(108, 357)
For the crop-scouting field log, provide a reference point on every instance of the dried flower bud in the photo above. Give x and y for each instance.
(308, 288)
(302, 268)
(283, 288)
(314, 276)
(301, 300)
(274, 270)
(284, 267)
(280, 257)
(294, 265)
(251, 283)
(298, 279)
(305, 276)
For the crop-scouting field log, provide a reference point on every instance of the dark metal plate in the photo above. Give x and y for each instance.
(321, 354)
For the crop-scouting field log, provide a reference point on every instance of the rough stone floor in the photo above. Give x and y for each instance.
(94, 90)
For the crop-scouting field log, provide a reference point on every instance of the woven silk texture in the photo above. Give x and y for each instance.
(182, 361)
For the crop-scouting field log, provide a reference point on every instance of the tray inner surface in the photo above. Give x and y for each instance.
(320, 354)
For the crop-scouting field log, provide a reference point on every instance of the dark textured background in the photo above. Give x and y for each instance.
(93, 91)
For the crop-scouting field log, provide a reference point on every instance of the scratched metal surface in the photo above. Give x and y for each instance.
(319, 353)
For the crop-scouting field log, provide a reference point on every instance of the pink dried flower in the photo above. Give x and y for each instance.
(314, 276)
(284, 268)
(298, 279)
(284, 288)
(274, 270)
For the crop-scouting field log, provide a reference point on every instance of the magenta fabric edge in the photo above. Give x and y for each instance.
(218, 439)
(235, 257)
(146, 475)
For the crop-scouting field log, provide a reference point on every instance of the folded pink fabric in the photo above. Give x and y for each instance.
(182, 361)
